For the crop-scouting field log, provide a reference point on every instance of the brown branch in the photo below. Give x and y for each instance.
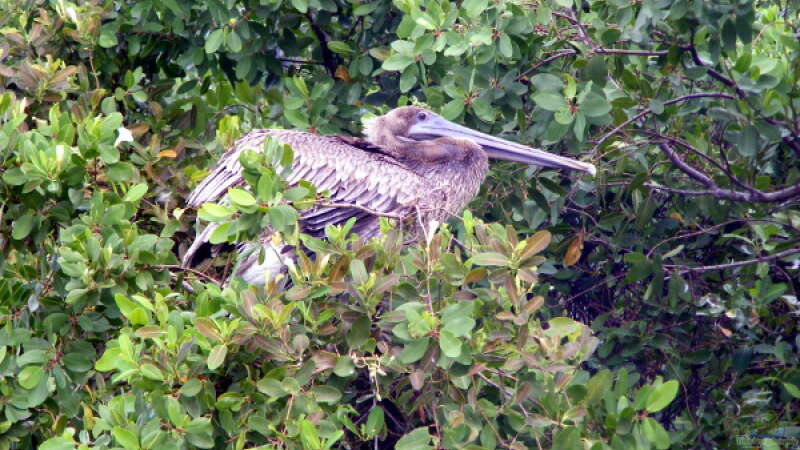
(756, 196)
(793, 143)
(712, 228)
(685, 167)
(648, 111)
(328, 57)
(715, 74)
(187, 269)
(595, 286)
(732, 265)
(549, 59)
(724, 169)
(619, 51)
(301, 61)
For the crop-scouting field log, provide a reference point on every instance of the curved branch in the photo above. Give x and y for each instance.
(682, 98)
(714, 73)
(732, 265)
(752, 195)
(560, 54)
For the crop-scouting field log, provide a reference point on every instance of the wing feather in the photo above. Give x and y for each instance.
(354, 171)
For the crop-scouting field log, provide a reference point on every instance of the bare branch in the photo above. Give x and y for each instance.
(638, 116)
(753, 195)
(723, 168)
(190, 270)
(712, 228)
(732, 265)
(619, 51)
(684, 166)
(715, 74)
(559, 54)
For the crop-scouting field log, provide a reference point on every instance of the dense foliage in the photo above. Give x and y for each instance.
(652, 306)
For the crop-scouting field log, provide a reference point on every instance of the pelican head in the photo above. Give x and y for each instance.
(412, 123)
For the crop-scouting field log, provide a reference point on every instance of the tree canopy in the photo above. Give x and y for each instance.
(652, 306)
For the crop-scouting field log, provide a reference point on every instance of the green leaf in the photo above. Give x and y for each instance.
(450, 345)
(57, 443)
(596, 70)
(483, 109)
(490, 259)
(309, 436)
(729, 36)
(30, 376)
(792, 389)
(214, 40)
(217, 356)
(459, 326)
(22, 226)
(418, 439)
(221, 233)
(359, 333)
(397, 62)
(326, 394)
(109, 360)
(212, 212)
(300, 5)
(504, 46)
(107, 39)
(661, 396)
(474, 8)
(191, 387)
(744, 28)
(282, 217)
(597, 386)
(550, 101)
(594, 106)
(344, 367)
(453, 109)
(126, 438)
(135, 193)
(655, 433)
(414, 350)
(233, 41)
(339, 47)
(241, 197)
(271, 387)
(375, 421)
(152, 372)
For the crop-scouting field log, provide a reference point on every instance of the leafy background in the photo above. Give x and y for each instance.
(652, 306)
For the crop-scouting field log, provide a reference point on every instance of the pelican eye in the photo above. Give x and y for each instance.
(421, 116)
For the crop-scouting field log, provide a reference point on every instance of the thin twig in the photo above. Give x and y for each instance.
(712, 228)
(619, 51)
(715, 74)
(755, 195)
(188, 269)
(682, 98)
(549, 59)
(685, 167)
(596, 285)
(328, 57)
(732, 265)
(301, 61)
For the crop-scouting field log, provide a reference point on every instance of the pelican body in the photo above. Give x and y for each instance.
(413, 163)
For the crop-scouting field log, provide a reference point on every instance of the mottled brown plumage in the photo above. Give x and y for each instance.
(412, 164)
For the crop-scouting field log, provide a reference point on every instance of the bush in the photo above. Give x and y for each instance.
(677, 265)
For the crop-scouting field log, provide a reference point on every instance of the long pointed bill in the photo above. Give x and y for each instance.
(495, 147)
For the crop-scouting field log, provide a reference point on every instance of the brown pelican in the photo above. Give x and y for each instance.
(413, 163)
